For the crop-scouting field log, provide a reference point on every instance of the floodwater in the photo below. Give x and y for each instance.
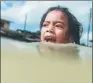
(45, 63)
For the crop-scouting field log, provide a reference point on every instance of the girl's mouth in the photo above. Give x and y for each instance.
(49, 39)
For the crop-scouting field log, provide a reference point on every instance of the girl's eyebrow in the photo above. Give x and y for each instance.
(56, 22)
(60, 22)
(47, 21)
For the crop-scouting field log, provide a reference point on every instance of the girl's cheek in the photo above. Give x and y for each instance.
(60, 36)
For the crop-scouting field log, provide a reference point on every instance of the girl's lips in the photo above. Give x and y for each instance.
(50, 39)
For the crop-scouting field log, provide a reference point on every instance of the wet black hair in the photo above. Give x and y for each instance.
(75, 27)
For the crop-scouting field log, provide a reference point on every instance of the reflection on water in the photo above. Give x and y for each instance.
(45, 63)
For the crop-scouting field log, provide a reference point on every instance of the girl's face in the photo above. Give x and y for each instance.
(55, 28)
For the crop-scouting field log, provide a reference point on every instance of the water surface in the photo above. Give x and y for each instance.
(45, 63)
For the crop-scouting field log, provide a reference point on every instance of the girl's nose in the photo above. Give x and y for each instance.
(50, 28)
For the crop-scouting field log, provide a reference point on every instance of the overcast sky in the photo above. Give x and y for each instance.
(16, 10)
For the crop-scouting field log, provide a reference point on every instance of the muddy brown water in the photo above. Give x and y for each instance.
(45, 63)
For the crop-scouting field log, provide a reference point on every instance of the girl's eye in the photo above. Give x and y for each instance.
(59, 26)
(45, 25)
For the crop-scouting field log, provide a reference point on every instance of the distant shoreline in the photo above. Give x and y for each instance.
(18, 36)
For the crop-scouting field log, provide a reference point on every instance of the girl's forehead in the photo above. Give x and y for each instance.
(58, 11)
(56, 15)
